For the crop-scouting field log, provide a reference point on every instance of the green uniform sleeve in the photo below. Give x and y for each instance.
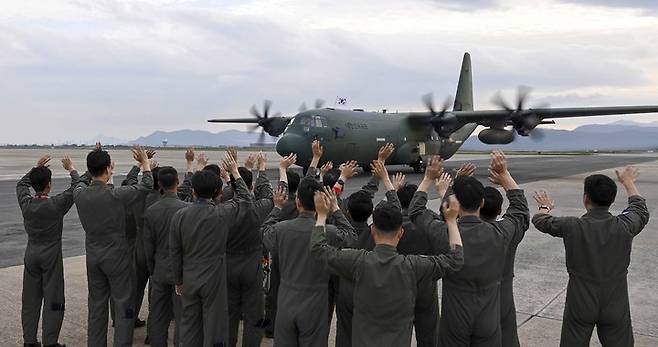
(128, 194)
(243, 200)
(64, 200)
(432, 268)
(371, 187)
(554, 226)
(269, 229)
(636, 216)
(341, 233)
(429, 221)
(341, 262)
(263, 189)
(132, 177)
(516, 219)
(185, 188)
(23, 191)
(392, 197)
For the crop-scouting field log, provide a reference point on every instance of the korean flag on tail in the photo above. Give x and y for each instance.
(341, 101)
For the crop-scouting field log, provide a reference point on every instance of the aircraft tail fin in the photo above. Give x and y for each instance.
(464, 97)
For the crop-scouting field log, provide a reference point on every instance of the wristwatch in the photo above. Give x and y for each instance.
(545, 207)
(341, 182)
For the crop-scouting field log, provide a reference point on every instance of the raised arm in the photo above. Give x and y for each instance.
(23, 186)
(128, 194)
(242, 199)
(263, 188)
(23, 191)
(317, 150)
(544, 221)
(340, 262)
(435, 267)
(341, 233)
(268, 229)
(636, 216)
(379, 171)
(517, 217)
(132, 178)
(64, 200)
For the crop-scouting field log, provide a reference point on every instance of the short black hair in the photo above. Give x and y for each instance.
(406, 193)
(306, 192)
(246, 175)
(330, 178)
(167, 177)
(40, 177)
(601, 190)
(293, 180)
(469, 192)
(387, 217)
(360, 206)
(493, 203)
(156, 181)
(98, 161)
(204, 183)
(214, 168)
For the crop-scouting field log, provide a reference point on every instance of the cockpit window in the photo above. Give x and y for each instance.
(314, 122)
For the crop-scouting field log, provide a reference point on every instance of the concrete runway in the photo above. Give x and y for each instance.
(540, 280)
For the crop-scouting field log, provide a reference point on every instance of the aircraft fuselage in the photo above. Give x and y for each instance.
(356, 135)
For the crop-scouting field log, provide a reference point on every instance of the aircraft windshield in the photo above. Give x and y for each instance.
(316, 121)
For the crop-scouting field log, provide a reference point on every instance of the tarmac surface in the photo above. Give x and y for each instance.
(541, 276)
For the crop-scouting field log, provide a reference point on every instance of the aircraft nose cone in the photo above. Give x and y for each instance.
(288, 144)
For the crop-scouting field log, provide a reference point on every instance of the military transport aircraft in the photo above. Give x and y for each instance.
(357, 135)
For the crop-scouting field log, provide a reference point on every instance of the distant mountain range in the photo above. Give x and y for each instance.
(621, 135)
(617, 136)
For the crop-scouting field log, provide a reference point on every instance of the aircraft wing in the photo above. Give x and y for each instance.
(487, 117)
(234, 120)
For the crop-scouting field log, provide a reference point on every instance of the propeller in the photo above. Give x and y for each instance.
(272, 124)
(523, 120)
(442, 120)
(319, 103)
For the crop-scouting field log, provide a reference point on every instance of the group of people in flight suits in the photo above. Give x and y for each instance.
(202, 244)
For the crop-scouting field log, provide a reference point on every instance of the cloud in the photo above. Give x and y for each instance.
(72, 70)
(641, 4)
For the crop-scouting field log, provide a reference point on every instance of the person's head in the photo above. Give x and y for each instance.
(306, 193)
(214, 168)
(600, 191)
(156, 181)
(168, 178)
(359, 205)
(41, 179)
(470, 193)
(331, 177)
(293, 180)
(387, 224)
(204, 184)
(246, 175)
(493, 204)
(406, 193)
(99, 164)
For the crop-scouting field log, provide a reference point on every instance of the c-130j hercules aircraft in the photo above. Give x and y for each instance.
(357, 135)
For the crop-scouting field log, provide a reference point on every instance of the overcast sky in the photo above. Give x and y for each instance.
(70, 70)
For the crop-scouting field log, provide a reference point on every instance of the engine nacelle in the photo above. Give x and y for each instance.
(496, 136)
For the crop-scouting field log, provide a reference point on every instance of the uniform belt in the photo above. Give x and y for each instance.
(596, 280)
(305, 287)
(472, 289)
